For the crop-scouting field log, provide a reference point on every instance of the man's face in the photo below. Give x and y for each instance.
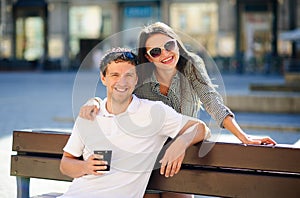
(120, 81)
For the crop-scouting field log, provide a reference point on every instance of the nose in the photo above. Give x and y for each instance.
(164, 52)
(121, 80)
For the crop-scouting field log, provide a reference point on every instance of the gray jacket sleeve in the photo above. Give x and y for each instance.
(202, 85)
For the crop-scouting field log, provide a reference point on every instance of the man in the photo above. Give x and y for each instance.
(133, 129)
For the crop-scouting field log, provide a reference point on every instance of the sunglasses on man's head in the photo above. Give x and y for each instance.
(156, 51)
(117, 56)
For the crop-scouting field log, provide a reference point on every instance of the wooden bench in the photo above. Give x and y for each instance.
(228, 170)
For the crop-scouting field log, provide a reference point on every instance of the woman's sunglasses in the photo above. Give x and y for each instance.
(156, 51)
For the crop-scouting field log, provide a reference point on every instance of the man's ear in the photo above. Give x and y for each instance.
(103, 79)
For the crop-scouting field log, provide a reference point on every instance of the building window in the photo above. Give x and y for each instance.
(257, 33)
(85, 23)
(198, 20)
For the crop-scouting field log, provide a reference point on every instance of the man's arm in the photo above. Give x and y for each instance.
(74, 167)
(192, 133)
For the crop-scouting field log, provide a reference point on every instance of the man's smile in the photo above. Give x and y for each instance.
(120, 89)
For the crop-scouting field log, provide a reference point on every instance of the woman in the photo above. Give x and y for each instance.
(170, 73)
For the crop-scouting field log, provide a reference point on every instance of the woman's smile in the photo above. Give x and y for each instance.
(168, 60)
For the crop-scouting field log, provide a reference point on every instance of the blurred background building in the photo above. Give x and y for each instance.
(241, 35)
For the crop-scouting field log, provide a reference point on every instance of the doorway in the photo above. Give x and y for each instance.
(30, 30)
(29, 38)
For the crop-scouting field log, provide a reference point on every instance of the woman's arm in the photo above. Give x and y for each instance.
(214, 105)
(202, 86)
(231, 125)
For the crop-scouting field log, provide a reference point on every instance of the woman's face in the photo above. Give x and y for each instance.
(162, 51)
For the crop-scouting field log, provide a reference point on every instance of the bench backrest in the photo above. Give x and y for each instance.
(230, 170)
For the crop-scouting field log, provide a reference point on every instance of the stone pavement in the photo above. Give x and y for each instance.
(44, 100)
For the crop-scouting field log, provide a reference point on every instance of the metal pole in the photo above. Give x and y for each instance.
(23, 185)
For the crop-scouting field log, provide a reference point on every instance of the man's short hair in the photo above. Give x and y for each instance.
(117, 55)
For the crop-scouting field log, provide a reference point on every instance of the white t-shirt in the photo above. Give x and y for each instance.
(135, 138)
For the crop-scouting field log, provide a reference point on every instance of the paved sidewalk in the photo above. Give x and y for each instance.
(44, 100)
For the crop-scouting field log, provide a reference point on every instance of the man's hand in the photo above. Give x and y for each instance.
(193, 132)
(169, 169)
(74, 167)
(173, 157)
(94, 165)
(90, 109)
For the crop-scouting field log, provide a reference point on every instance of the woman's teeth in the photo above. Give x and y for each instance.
(168, 59)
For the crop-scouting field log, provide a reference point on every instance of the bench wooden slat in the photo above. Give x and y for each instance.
(40, 141)
(227, 184)
(266, 158)
(37, 167)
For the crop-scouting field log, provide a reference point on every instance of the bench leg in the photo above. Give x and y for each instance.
(23, 187)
